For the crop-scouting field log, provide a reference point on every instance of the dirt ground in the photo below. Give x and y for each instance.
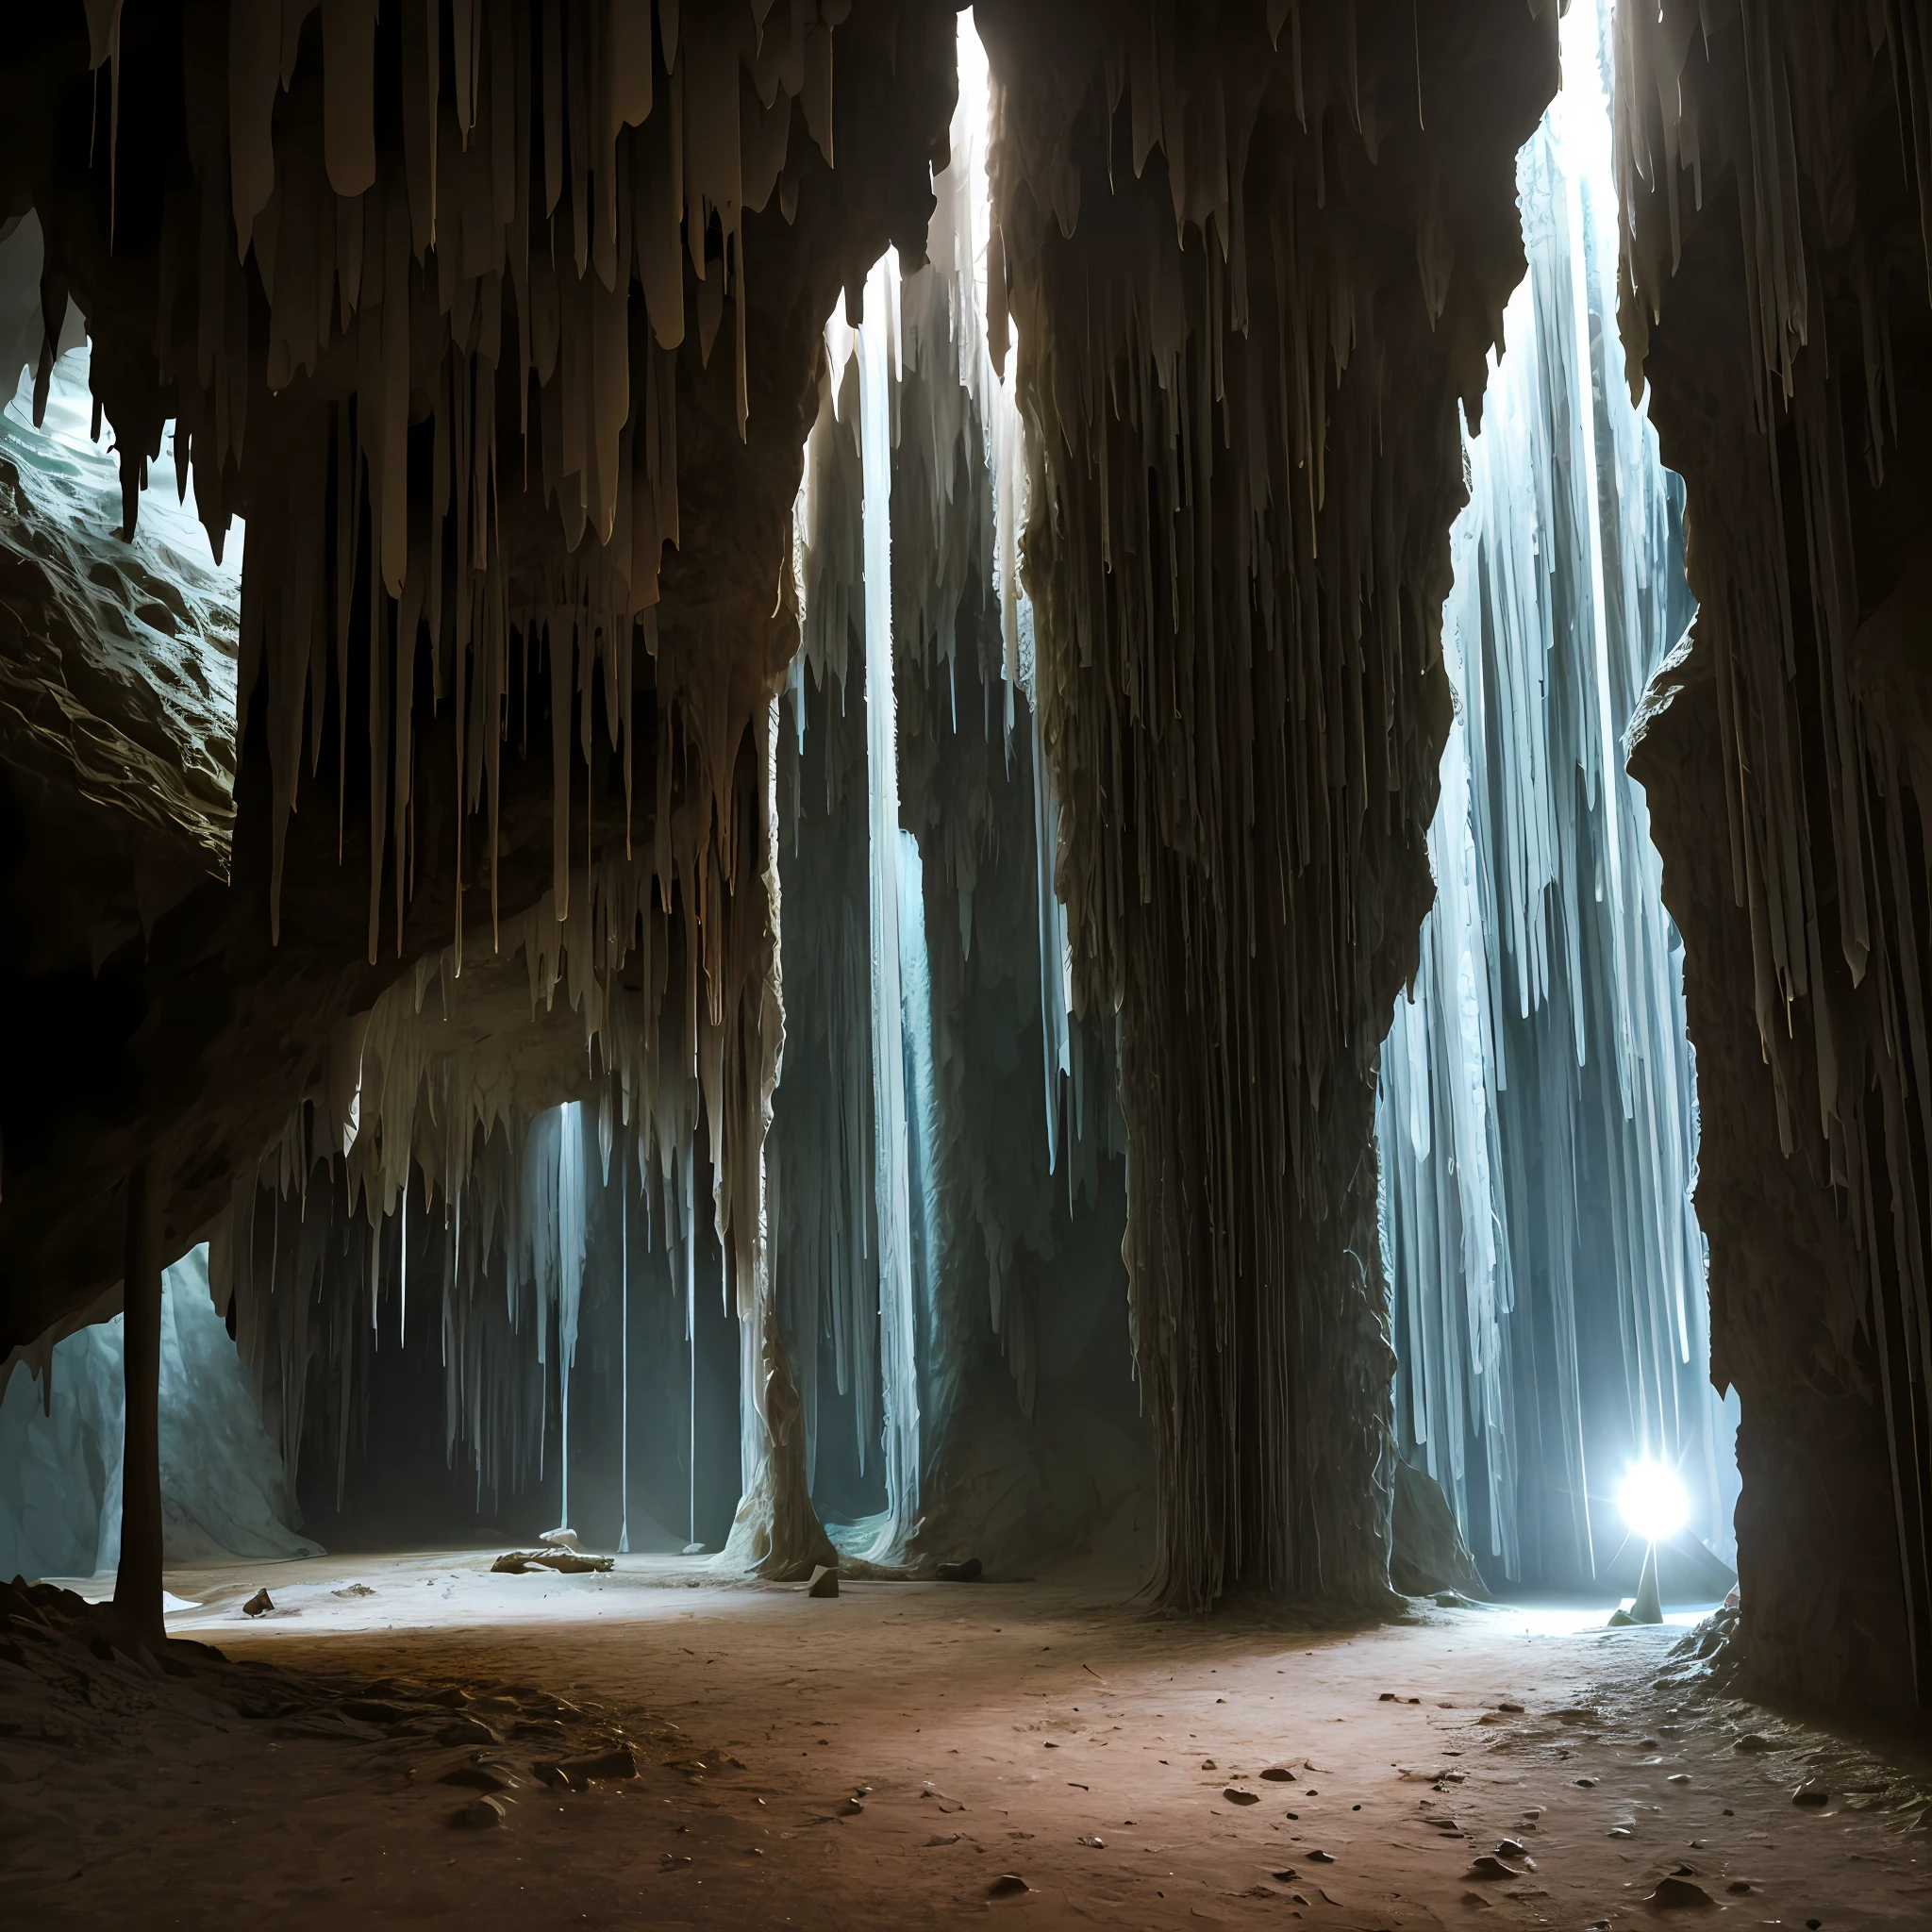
(909, 1754)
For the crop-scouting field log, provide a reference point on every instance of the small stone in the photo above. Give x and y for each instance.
(1741, 1887)
(967, 1570)
(1621, 1831)
(480, 1814)
(1209, 1764)
(1753, 1741)
(1007, 1885)
(1285, 1877)
(1094, 1844)
(1675, 1895)
(478, 1777)
(1811, 1795)
(1514, 1710)
(1679, 1777)
(942, 1838)
(824, 1581)
(1320, 1858)
(1279, 1775)
(1508, 1848)
(1235, 1795)
(1388, 1697)
(1589, 1784)
(1489, 1868)
(259, 1605)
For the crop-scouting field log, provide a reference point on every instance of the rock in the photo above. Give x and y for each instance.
(1007, 1885)
(1427, 1551)
(480, 1814)
(372, 1711)
(478, 1777)
(969, 1570)
(943, 1837)
(465, 1730)
(1811, 1794)
(1320, 1858)
(1235, 1795)
(824, 1581)
(1097, 1844)
(620, 1762)
(569, 1561)
(259, 1605)
(1741, 1887)
(1279, 1775)
(1490, 1868)
(1753, 1741)
(1508, 1848)
(1677, 1894)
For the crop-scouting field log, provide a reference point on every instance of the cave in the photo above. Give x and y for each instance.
(1067, 850)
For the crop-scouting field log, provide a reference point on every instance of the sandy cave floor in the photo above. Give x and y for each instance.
(887, 1758)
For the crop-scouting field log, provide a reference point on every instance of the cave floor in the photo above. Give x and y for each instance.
(886, 1758)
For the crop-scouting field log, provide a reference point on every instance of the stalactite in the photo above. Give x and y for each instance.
(1249, 294)
(1537, 1112)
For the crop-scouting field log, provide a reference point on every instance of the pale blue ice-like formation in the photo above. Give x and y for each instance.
(224, 1487)
(1537, 1115)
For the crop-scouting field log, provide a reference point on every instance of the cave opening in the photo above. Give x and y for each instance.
(1537, 1118)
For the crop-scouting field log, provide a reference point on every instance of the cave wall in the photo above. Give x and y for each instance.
(1773, 170)
(1255, 258)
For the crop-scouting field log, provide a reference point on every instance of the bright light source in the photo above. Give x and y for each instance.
(1653, 1501)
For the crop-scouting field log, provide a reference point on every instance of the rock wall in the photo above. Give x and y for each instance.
(1773, 174)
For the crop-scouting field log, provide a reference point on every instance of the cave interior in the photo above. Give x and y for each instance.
(1117, 855)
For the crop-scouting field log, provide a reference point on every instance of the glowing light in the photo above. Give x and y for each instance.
(1653, 1501)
